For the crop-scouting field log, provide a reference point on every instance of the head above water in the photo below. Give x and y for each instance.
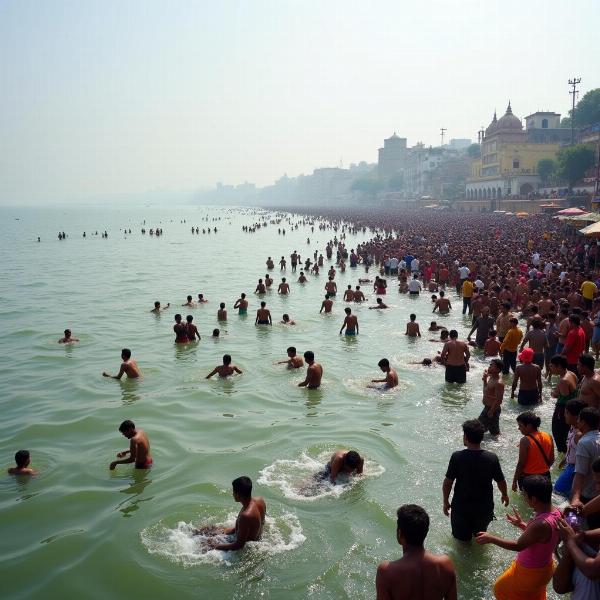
(473, 430)
(352, 459)
(384, 364)
(125, 353)
(226, 359)
(127, 428)
(22, 458)
(412, 525)
(242, 487)
(309, 356)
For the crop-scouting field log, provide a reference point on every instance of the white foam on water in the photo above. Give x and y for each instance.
(296, 477)
(179, 544)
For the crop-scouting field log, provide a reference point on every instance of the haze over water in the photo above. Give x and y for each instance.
(79, 529)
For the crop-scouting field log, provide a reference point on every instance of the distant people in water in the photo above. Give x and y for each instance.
(285, 320)
(314, 372)
(157, 308)
(22, 461)
(216, 333)
(242, 305)
(129, 367)
(418, 574)
(201, 299)
(350, 323)
(222, 312)
(68, 339)
(380, 304)
(192, 330)
(391, 377)
(293, 360)
(139, 447)
(180, 330)
(263, 315)
(226, 369)
(249, 523)
(189, 302)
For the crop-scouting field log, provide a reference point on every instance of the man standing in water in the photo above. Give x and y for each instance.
(418, 574)
(263, 315)
(139, 447)
(455, 356)
(293, 361)
(242, 305)
(128, 367)
(250, 520)
(226, 369)
(284, 287)
(314, 372)
(157, 309)
(191, 329)
(326, 305)
(180, 331)
(493, 394)
(472, 472)
(350, 323)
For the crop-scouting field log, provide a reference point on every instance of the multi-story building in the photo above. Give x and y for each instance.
(509, 157)
(391, 157)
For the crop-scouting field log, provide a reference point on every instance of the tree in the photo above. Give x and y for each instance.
(546, 168)
(474, 151)
(573, 162)
(587, 111)
(396, 182)
(367, 186)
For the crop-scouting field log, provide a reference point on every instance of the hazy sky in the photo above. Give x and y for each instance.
(131, 96)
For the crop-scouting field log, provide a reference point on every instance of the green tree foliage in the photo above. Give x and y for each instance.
(587, 111)
(396, 183)
(474, 151)
(573, 162)
(546, 168)
(367, 186)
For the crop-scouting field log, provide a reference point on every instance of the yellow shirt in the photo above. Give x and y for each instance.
(467, 288)
(512, 339)
(588, 289)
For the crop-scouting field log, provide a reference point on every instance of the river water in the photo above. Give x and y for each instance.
(79, 529)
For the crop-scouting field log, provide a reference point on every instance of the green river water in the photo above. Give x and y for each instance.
(80, 530)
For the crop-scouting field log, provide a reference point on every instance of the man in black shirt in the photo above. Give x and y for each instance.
(473, 469)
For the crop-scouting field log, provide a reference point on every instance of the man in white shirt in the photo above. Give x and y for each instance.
(479, 284)
(414, 286)
(414, 265)
(402, 264)
(393, 266)
(463, 273)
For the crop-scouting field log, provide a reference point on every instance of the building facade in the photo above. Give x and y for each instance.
(509, 157)
(392, 157)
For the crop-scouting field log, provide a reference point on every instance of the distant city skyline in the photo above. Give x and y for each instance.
(110, 98)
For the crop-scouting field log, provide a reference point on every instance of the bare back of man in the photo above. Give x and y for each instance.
(589, 391)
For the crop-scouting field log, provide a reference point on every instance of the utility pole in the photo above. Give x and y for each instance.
(573, 83)
(480, 135)
(442, 131)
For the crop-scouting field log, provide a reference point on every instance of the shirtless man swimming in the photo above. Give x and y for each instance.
(391, 377)
(346, 462)
(226, 369)
(293, 361)
(190, 302)
(68, 339)
(157, 308)
(302, 278)
(139, 447)
(350, 323)
(285, 320)
(314, 372)
(380, 305)
(284, 287)
(180, 330)
(418, 574)
(191, 329)
(250, 520)
(128, 367)
(22, 462)
(326, 305)
(263, 315)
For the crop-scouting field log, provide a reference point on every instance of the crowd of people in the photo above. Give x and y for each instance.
(530, 290)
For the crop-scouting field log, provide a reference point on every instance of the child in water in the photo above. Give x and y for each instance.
(22, 459)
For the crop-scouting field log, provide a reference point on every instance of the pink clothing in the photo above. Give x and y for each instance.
(540, 554)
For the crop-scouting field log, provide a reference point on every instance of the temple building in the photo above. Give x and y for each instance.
(510, 155)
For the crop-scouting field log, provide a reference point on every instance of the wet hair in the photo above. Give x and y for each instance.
(413, 522)
(352, 459)
(292, 349)
(67, 332)
(286, 316)
(189, 318)
(126, 353)
(21, 458)
(216, 333)
(309, 355)
(263, 304)
(177, 317)
(384, 363)
(538, 486)
(222, 305)
(189, 298)
(157, 304)
(413, 317)
(560, 361)
(347, 310)
(497, 362)
(473, 431)
(444, 333)
(126, 426)
(426, 362)
(529, 418)
(243, 295)
(242, 486)
(575, 406)
(588, 361)
(226, 359)
(590, 416)
(453, 334)
(442, 293)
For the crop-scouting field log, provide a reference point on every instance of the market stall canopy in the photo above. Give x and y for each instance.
(592, 230)
(522, 214)
(571, 212)
(590, 217)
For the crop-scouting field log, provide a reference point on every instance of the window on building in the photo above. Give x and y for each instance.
(515, 164)
(544, 123)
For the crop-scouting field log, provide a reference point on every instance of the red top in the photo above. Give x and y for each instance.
(575, 343)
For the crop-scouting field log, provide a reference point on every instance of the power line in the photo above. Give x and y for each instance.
(574, 83)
